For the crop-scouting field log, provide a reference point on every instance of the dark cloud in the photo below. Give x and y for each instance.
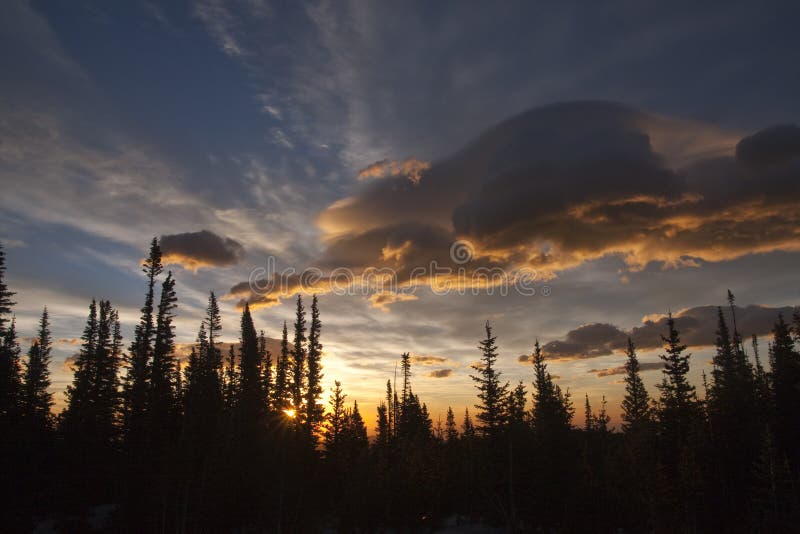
(777, 145)
(569, 183)
(611, 371)
(440, 373)
(697, 327)
(194, 250)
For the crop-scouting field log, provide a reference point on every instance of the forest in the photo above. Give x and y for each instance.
(243, 440)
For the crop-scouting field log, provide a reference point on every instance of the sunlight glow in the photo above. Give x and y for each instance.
(290, 412)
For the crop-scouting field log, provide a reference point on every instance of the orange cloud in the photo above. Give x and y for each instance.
(411, 168)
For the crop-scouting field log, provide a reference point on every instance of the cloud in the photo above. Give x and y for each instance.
(697, 327)
(194, 250)
(383, 300)
(612, 371)
(570, 183)
(440, 373)
(411, 168)
(774, 146)
(427, 359)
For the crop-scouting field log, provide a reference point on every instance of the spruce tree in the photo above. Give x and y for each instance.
(786, 387)
(678, 396)
(314, 410)
(163, 403)
(280, 398)
(10, 377)
(251, 384)
(137, 380)
(636, 405)
(552, 409)
(266, 371)
(299, 359)
(6, 304)
(492, 393)
(335, 422)
(10, 370)
(37, 400)
(450, 429)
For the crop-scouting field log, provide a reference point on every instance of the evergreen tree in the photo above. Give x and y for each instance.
(588, 424)
(251, 387)
(37, 400)
(230, 382)
(6, 304)
(163, 404)
(299, 359)
(382, 430)
(314, 410)
(137, 380)
(266, 370)
(280, 398)
(335, 422)
(10, 371)
(678, 395)
(450, 429)
(93, 397)
(786, 387)
(10, 377)
(552, 409)
(467, 427)
(636, 405)
(492, 393)
(405, 366)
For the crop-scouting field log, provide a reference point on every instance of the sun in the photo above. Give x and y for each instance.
(290, 412)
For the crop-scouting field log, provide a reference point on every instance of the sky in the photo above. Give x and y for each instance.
(610, 162)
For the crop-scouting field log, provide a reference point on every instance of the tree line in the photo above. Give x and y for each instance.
(241, 439)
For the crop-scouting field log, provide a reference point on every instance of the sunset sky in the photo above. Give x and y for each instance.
(638, 158)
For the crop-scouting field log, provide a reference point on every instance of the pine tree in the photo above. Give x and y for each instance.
(6, 304)
(786, 387)
(678, 395)
(405, 366)
(90, 418)
(602, 419)
(588, 424)
(266, 370)
(450, 429)
(636, 405)
(492, 393)
(137, 380)
(37, 400)
(281, 397)
(335, 421)
(552, 409)
(10, 371)
(516, 406)
(163, 403)
(314, 410)
(230, 383)
(467, 427)
(251, 387)
(10, 377)
(382, 430)
(299, 359)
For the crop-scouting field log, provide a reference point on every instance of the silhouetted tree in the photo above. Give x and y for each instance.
(137, 379)
(314, 410)
(281, 396)
(492, 393)
(36, 397)
(786, 385)
(299, 360)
